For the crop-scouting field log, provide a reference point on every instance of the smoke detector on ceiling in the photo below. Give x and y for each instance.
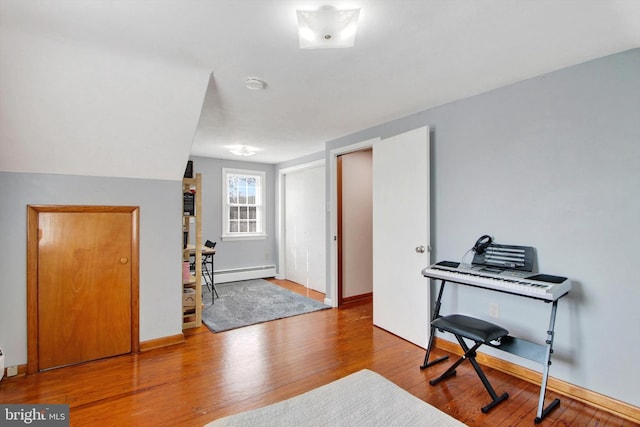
(254, 83)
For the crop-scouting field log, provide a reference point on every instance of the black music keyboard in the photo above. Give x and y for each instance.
(534, 285)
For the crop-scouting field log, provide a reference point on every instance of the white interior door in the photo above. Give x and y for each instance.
(305, 228)
(401, 226)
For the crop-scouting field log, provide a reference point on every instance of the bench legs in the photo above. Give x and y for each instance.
(470, 354)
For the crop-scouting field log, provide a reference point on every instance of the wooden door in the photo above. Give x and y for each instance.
(83, 288)
(401, 224)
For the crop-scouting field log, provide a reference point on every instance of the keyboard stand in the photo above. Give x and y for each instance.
(540, 353)
(432, 333)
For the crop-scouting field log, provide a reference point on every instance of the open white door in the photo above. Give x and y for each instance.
(401, 235)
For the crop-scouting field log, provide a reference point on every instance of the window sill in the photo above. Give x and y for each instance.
(239, 237)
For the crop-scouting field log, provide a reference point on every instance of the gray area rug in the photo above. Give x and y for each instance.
(360, 399)
(253, 301)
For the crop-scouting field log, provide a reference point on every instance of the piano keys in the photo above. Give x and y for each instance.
(534, 285)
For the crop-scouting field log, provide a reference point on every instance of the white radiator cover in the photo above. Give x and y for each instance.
(244, 273)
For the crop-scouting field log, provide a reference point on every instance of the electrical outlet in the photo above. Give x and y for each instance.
(12, 371)
(494, 310)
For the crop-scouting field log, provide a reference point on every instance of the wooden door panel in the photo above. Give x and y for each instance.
(84, 286)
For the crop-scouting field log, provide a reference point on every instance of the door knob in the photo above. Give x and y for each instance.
(124, 260)
(420, 249)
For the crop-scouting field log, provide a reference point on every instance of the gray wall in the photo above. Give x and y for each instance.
(160, 240)
(160, 205)
(234, 254)
(552, 162)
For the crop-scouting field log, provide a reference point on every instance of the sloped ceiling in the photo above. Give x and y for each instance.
(130, 88)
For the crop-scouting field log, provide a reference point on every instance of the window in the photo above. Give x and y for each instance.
(243, 204)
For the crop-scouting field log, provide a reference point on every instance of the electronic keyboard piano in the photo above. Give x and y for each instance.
(507, 269)
(539, 286)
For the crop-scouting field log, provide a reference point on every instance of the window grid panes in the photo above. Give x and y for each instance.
(243, 203)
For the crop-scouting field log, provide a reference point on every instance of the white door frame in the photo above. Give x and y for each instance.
(280, 224)
(332, 277)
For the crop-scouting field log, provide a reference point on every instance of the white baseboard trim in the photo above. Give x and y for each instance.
(245, 273)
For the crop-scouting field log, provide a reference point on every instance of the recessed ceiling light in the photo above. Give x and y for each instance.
(254, 83)
(327, 27)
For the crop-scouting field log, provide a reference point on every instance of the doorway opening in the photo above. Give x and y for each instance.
(355, 230)
(332, 248)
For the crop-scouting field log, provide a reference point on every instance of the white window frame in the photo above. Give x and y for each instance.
(260, 205)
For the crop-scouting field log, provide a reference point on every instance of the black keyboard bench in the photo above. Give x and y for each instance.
(480, 332)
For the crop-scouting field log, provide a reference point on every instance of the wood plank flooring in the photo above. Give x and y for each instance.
(213, 375)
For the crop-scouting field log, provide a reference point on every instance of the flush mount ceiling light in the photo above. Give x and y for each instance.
(254, 83)
(327, 27)
(242, 150)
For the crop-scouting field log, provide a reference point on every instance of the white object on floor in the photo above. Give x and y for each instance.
(360, 399)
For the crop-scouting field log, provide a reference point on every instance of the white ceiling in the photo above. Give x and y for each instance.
(116, 83)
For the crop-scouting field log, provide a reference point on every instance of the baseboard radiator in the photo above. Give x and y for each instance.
(244, 273)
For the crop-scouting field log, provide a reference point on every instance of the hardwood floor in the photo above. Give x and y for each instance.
(213, 375)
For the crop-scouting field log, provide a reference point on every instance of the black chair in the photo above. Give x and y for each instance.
(480, 332)
(207, 269)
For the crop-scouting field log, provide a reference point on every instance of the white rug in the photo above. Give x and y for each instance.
(360, 399)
